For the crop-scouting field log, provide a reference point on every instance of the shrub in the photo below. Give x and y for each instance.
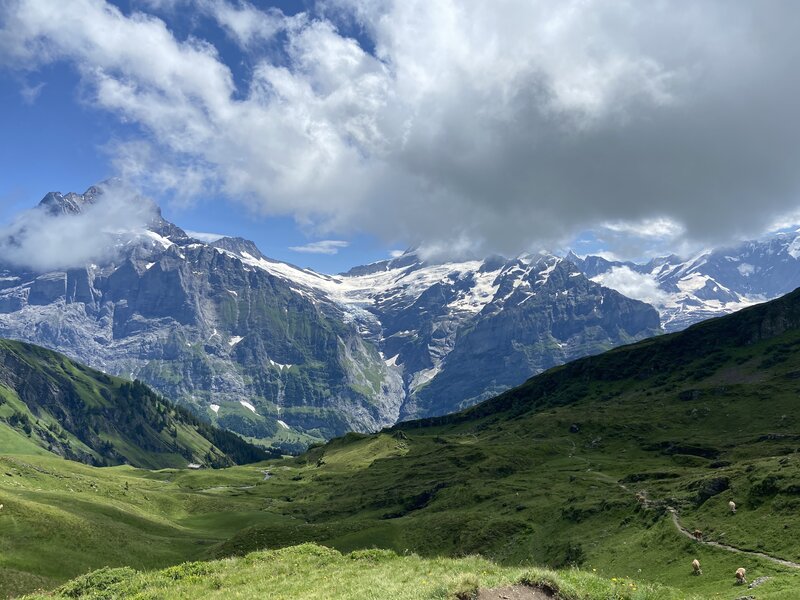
(465, 587)
(187, 570)
(373, 555)
(96, 582)
(767, 487)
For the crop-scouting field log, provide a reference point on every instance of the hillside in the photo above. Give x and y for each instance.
(50, 404)
(327, 574)
(603, 463)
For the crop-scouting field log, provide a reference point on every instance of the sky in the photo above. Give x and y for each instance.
(335, 132)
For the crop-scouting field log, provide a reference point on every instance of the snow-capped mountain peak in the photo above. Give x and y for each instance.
(221, 326)
(711, 283)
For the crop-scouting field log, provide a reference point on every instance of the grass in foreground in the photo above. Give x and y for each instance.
(313, 572)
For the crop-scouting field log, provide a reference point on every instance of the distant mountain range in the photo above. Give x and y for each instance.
(711, 284)
(283, 354)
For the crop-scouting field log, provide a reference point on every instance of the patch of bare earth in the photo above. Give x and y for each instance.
(739, 374)
(516, 592)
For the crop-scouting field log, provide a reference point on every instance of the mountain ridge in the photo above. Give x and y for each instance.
(63, 407)
(709, 284)
(748, 326)
(286, 355)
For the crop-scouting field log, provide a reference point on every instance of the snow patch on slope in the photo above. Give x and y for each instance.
(793, 249)
(424, 376)
(161, 240)
(479, 295)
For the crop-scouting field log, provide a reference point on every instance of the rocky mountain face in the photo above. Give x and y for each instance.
(457, 333)
(275, 352)
(711, 284)
(206, 329)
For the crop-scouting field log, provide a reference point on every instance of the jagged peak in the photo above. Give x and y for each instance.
(409, 258)
(71, 203)
(238, 245)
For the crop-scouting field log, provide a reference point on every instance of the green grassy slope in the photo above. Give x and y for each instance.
(61, 518)
(312, 572)
(48, 402)
(545, 474)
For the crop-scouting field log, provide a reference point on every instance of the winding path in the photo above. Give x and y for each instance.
(681, 529)
(687, 533)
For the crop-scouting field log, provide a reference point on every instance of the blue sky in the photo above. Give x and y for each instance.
(633, 129)
(54, 140)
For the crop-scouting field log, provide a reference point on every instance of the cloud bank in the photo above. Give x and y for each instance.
(321, 247)
(205, 236)
(43, 241)
(641, 286)
(505, 123)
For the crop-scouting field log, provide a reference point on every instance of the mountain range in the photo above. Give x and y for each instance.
(709, 284)
(286, 355)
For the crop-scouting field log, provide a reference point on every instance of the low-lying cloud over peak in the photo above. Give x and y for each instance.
(505, 124)
(641, 286)
(42, 239)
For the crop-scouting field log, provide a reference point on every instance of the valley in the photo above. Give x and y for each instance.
(414, 300)
(545, 474)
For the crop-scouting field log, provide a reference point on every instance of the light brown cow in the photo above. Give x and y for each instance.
(696, 567)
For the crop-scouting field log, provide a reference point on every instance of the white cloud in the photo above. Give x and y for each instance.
(244, 22)
(321, 247)
(44, 241)
(786, 221)
(396, 253)
(204, 236)
(462, 121)
(641, 286)
(637, 239)
(30, 93)
(661, 228)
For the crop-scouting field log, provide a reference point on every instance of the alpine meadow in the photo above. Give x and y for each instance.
(360, 299)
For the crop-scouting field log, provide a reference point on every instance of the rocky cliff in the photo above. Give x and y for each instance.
(279, 353)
